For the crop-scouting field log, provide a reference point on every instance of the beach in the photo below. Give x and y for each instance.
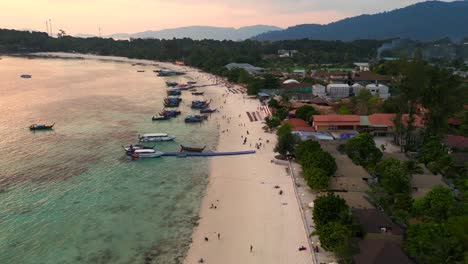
(241, 203)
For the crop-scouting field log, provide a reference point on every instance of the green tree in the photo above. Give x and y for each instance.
(433, 243)
(271, 82)
(337, 237)
(286, 144)
(272, 122)
(330, 208)
(253, 86)
(464, 124)
(281, 113)
(273, 104)
(319, 159)
(344, 110)
(362, 150)
(317, 179)
(437, 205)
(286, 128)
(305, 147)
(305, 112)
(393, 176)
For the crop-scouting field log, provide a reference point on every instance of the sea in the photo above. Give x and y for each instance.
(70, 195)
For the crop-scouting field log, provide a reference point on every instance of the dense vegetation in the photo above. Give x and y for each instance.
(318, 166)
(362, 151)
(447, 20)
(335, 226)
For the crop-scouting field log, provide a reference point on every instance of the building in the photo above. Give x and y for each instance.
(286, 53)
(422, 184)
(381, 124)
(338, 91)
(362, 66)
(356, 88)
(382, 240)
(457, 143)
(319, 90)
(248, 67)
(335, 122)
(367, 77)
(378, 89)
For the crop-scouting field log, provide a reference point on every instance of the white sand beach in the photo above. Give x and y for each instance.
(249, 209)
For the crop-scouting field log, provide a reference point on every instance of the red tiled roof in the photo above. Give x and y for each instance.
(454, 121)
(458, 142)
(382, 119)
(336, 120)
(418, 120)
(296, 122)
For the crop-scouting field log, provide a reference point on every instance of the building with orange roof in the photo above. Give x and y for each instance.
(298, 124)
(335, 122)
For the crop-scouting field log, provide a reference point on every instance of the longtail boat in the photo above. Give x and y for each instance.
(191, 149)
(41, 127)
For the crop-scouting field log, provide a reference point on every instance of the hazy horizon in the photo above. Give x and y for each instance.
(131, 16)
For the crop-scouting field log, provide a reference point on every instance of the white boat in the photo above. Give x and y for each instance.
(156, 137)
(146, 153)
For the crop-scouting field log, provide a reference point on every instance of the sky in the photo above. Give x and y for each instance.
(130, 16)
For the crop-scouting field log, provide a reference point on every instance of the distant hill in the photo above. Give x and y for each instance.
(201, 32)
(425, 21)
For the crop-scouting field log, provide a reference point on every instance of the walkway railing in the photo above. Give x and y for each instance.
(304, 219)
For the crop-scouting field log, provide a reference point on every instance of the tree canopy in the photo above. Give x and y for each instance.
(362, 150)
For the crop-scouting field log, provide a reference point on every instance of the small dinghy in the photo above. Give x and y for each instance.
(26, 76)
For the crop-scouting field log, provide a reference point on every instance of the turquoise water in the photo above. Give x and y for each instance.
(70, 195)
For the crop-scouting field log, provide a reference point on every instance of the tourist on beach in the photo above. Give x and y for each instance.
(281, 192)
(219, 236)
(206, 239)
(251, 248)
(201, 261)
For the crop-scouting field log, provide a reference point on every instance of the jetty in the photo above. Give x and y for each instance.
(207, 154)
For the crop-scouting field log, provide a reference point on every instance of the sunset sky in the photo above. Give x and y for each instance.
(129, 16)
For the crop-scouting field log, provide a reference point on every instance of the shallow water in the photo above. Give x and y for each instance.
(70, 195)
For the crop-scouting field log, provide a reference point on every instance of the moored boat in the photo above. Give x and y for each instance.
(160, 118)
(26, 76)
(172, 102)
(41, 127)
(207, 111)
(195, 118)
(170, 113)
(136, 147)
(200, 104)
(172, 84)
(156, 137)
(174, 92)
(145, 153)
(198, 93)
(191, 149)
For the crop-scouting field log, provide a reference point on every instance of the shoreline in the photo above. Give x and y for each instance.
(241, 202)
(249, 209)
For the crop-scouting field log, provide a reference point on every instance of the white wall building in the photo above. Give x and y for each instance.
(379, 89)
(319, 90)
(356, 88)
(338, 90)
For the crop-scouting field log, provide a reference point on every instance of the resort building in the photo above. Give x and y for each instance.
(362, 66)
(335, 122)
(319, 90)
(368, 77)
(378, 89)
(338, 91)
(356, 88)
(248, 67)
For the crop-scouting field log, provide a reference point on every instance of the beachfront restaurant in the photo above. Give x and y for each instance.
(335, 122)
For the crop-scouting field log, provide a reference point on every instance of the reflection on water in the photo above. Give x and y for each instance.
(69, 195)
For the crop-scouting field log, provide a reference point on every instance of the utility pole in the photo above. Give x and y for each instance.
(47, 27)
(99, 31)
(50, 25)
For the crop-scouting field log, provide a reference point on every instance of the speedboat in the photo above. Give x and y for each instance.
(156, 137)
(195, 118)
(145, 153)
(137, 147)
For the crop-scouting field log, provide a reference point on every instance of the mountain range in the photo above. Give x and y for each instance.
(197, 33)
(424, 21)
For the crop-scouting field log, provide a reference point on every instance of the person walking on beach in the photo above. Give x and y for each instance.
(219, 236)
(251, 248)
